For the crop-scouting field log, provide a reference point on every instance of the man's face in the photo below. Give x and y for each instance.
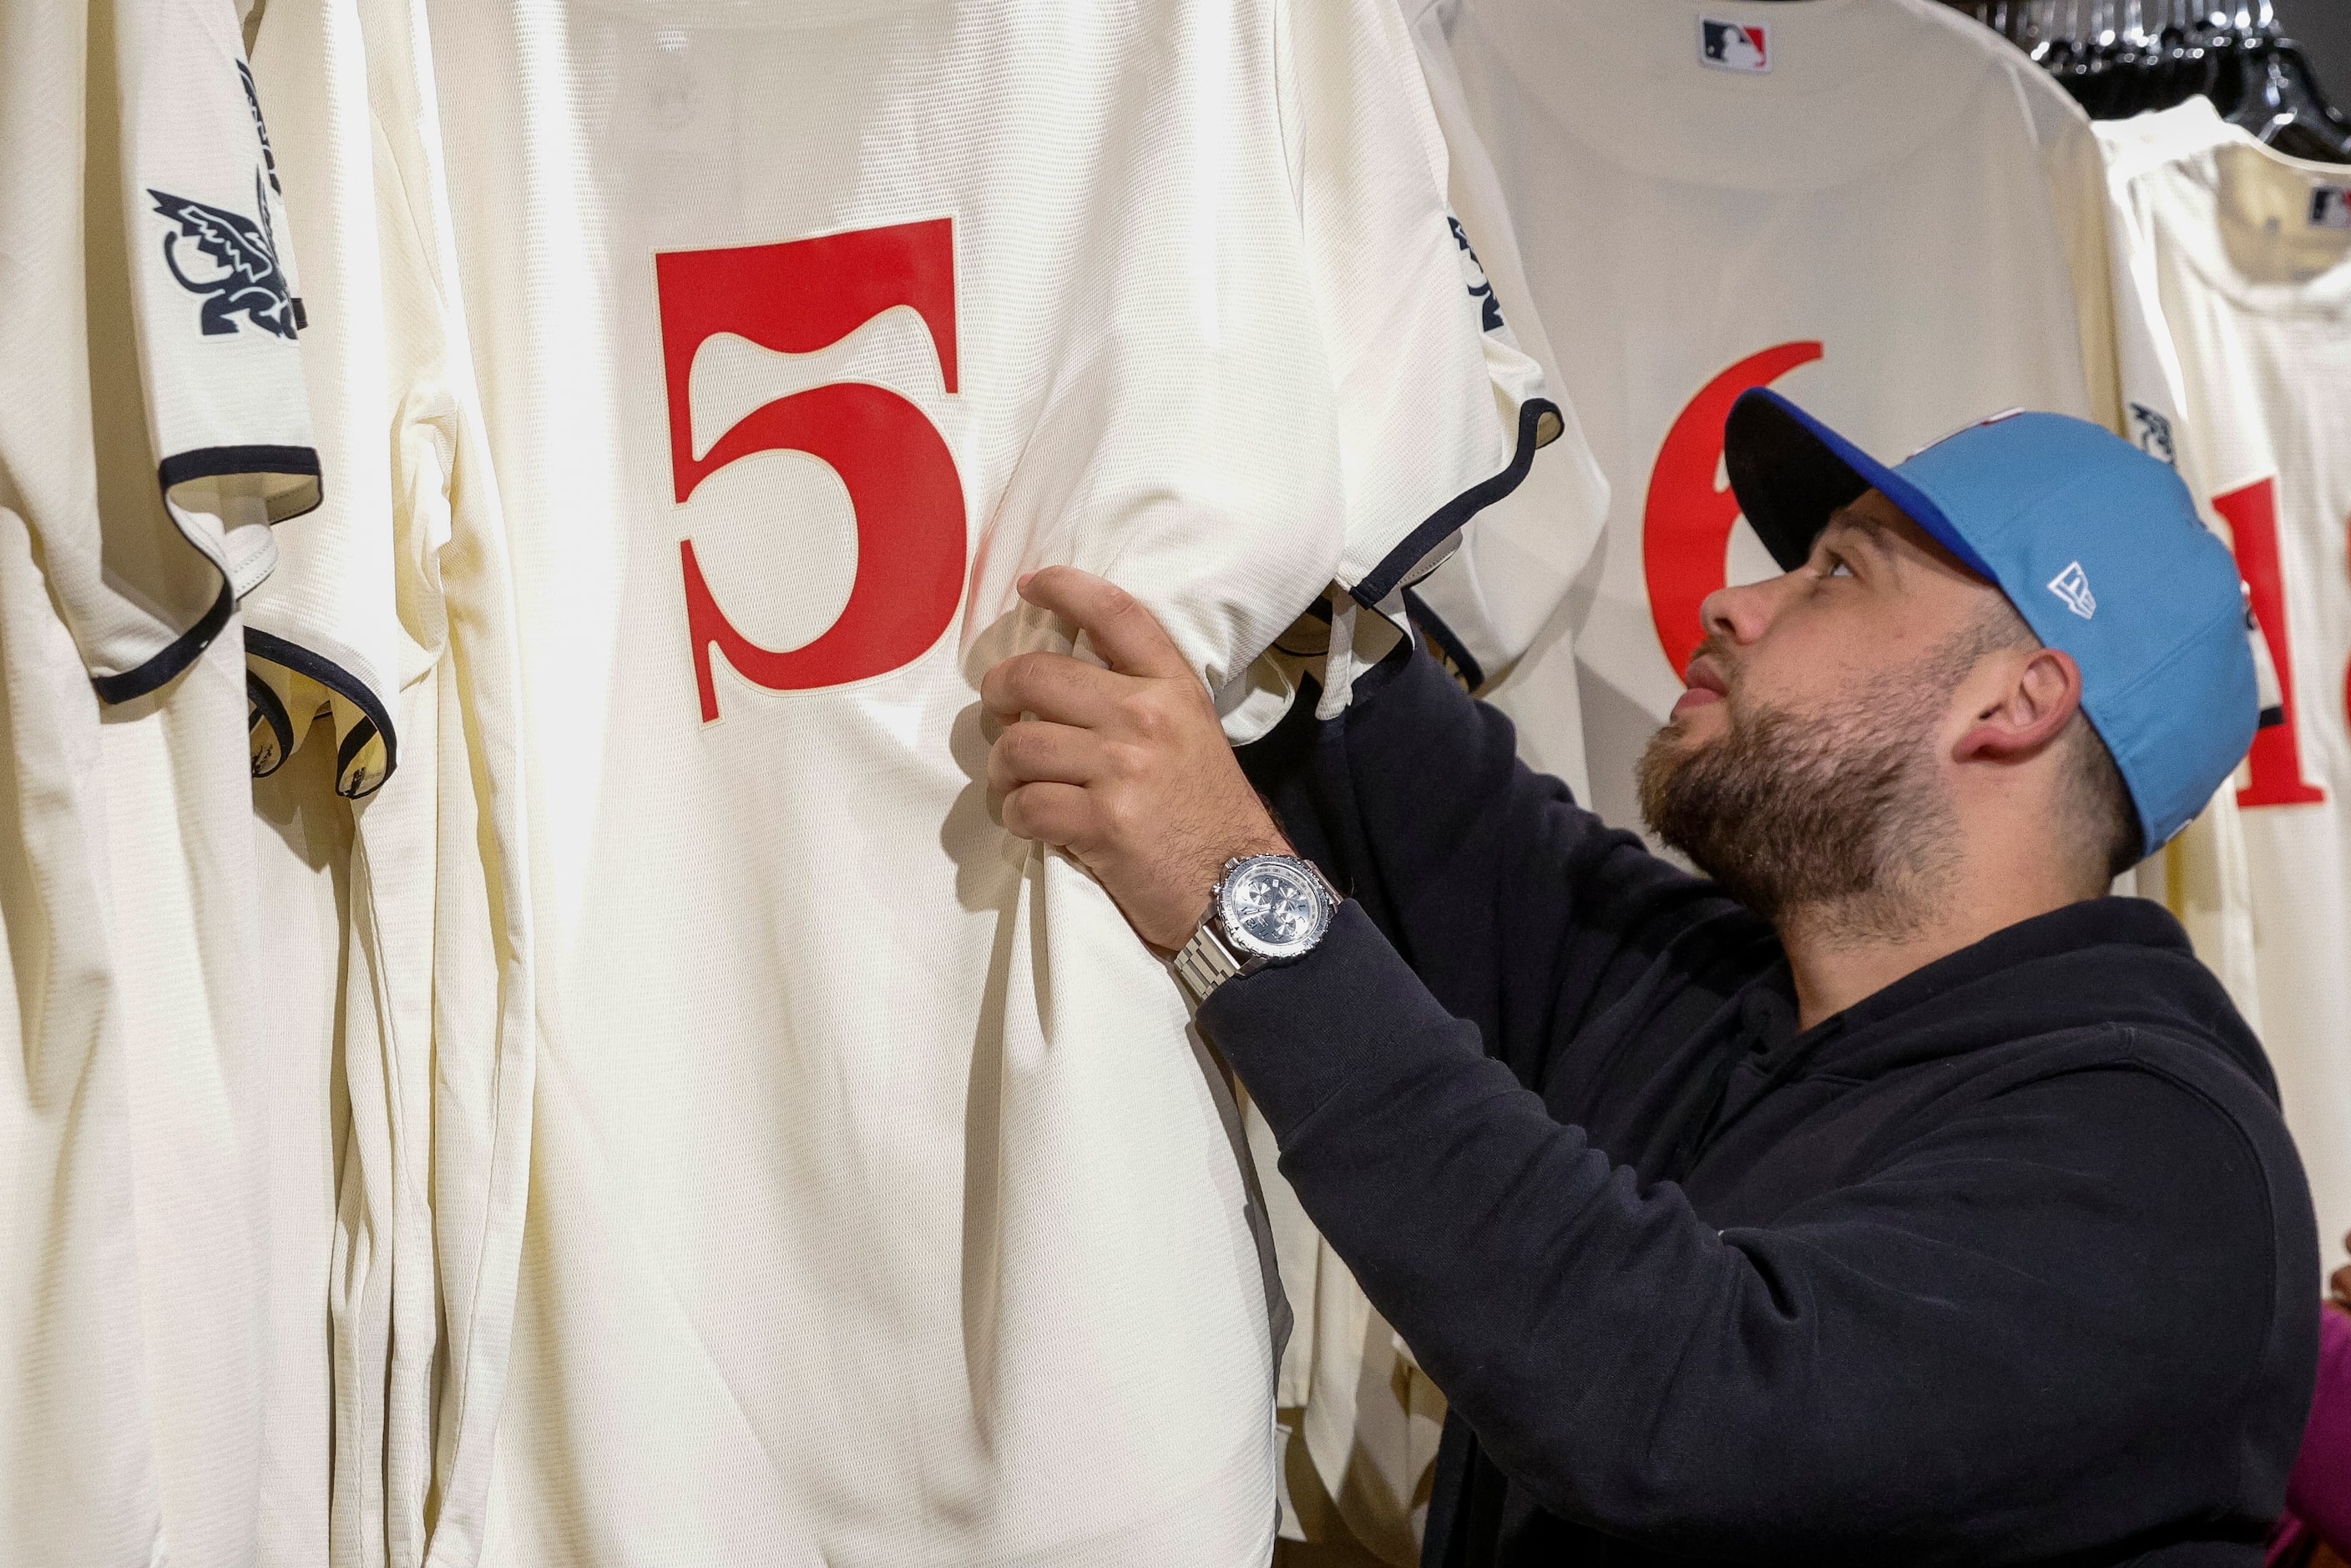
(1804, 767)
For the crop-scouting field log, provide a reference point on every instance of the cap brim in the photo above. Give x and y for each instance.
(1792, 474)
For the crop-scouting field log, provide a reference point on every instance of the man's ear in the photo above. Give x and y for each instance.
(2036, 698)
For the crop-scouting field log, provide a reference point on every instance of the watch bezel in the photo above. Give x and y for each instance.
(1237, 937)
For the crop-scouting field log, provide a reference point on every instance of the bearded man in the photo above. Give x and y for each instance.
(1891, 1195)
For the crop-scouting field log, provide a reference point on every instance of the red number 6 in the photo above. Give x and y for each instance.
(1686, 522)
(796, 298)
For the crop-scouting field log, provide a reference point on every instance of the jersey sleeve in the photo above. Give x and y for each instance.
(1439, 414)
(1483, 608)
(157, 422)
(322, 636)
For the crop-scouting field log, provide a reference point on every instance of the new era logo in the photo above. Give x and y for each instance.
(1735, 46)
(2073, 588)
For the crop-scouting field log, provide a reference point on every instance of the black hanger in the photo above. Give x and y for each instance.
(2057, 47)
(2179, 74)
(2228, 70)
(2123, 48)
(2281, 103)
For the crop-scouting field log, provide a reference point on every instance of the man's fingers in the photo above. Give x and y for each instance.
(1050, 813)
(1127, 636)
(1035, 751)
(1050, 686)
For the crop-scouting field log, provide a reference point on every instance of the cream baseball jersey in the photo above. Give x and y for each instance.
(1878, 206)
(880, 1209)
(155, 426)
(2241, 259)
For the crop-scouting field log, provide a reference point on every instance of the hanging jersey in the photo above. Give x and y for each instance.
(879, 1209)
(1878, 206)
(155, 426)
(2238, 255)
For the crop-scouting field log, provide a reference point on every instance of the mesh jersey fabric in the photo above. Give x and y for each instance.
(1899, 224)
(157, 425)
(2241, 259)
(877, 1208)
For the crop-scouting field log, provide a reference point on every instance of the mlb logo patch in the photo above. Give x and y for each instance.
(2330, 207)
(1734, 46)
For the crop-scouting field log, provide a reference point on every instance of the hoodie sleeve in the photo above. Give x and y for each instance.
(1522, 911)
(1998, 1342)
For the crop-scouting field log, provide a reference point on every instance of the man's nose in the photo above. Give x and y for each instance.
(1740, 615)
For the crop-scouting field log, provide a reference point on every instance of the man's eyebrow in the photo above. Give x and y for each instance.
(1872, 532)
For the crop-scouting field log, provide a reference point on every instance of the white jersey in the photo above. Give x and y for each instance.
(155, 427)
(1878, 206)
(2241, 257)
(878, 1208)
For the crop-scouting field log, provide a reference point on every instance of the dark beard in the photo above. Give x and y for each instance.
(1837, 815)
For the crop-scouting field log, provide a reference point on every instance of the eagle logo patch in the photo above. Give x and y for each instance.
(1473, 278)
(249, 282)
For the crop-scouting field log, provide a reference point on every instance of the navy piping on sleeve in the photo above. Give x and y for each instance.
(205, 463)
(212, 461)
(1444, 642)
(353, 744)
(180, 652)
(267, 710)
(1382, 579)
(344, 684)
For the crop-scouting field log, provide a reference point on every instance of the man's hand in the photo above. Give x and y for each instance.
(1127, 767)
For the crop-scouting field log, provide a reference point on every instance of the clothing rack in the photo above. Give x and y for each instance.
(2120, 58)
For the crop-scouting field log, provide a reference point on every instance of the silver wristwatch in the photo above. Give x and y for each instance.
(1265, 909)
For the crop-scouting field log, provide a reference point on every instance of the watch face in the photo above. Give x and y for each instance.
(1273, 907)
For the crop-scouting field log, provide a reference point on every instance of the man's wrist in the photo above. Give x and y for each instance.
(1268, 906)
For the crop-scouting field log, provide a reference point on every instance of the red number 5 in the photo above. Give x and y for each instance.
(796, 298)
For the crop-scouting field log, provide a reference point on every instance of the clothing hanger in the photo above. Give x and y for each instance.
(2058, 49)
(2227, 72)
(2094, 44)
(2282, 103)
(2180, 74)
(2123, 53)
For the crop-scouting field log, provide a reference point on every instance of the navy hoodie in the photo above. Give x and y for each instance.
(2012, 1262)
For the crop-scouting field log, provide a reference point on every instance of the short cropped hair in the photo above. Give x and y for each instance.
(2096, 796)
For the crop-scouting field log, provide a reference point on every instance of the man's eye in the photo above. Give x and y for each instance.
(1838, 568)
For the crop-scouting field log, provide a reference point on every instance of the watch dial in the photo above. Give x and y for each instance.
(1274, 908)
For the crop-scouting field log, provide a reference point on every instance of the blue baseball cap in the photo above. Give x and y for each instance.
(2097, 543)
